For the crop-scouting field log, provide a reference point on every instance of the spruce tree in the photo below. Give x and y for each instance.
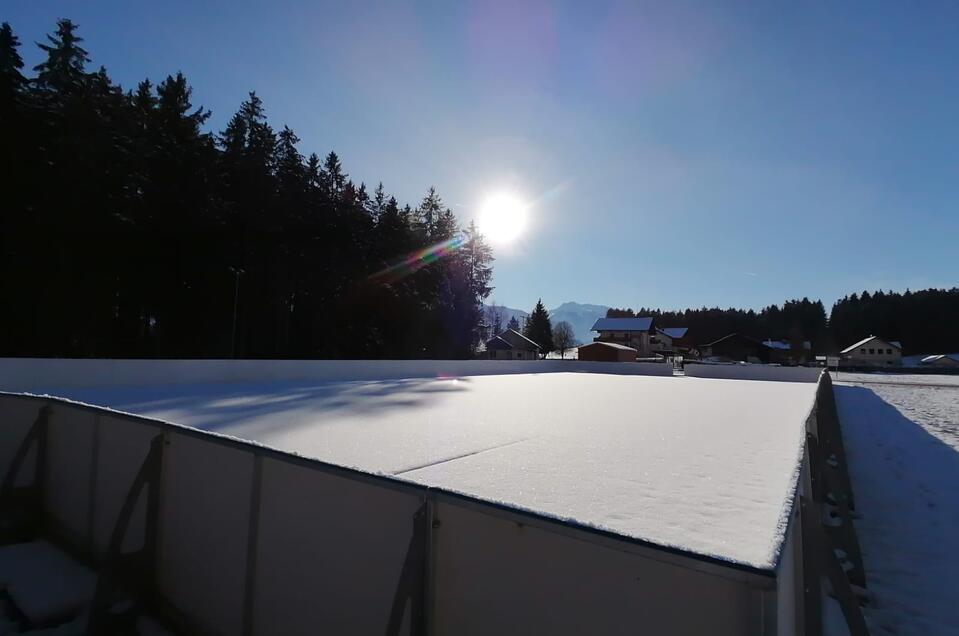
(539, 329)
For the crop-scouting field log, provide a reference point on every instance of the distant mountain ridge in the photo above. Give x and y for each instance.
(580, 315)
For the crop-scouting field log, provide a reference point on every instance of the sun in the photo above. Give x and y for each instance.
(503, 218)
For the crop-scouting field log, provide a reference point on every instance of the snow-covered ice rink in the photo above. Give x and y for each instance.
(704, 465)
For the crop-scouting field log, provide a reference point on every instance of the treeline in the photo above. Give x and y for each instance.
(127, 229)
(924, 321)
(794, 320)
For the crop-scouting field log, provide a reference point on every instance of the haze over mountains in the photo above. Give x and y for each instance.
(580, 315)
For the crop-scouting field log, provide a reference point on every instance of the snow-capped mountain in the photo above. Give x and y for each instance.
(580, 315)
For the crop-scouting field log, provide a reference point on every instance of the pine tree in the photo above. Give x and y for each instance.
(64, 69)
(539, 328)
(12, 81)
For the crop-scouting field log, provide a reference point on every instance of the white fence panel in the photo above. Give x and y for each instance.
(496, 576)
(329, 553)
(753, 372)
(204, 521)
(41, 374)
(71, 437)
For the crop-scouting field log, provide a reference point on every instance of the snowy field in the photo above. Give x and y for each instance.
(704, 465)
(902, 438)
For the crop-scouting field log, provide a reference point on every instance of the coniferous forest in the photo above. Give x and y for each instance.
(129, 230)
(924, 321)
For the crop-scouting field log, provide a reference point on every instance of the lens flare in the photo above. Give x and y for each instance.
(418, 260)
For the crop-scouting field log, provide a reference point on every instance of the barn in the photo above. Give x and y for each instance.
(606, 352)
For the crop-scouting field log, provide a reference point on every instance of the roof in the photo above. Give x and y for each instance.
(848, 349)
(497, 344)
(732, 335)
(785, 345)
(940, 356)
(510, 339)
(612, 345)
(674, 332)
(622, 324)
(717, 481)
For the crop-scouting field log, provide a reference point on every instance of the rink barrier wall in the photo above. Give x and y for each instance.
(255, 541)
(251, 540)
(31, 374)
(752, 372)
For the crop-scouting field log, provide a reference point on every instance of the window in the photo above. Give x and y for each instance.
(872, 351)
(863, 351)
(888, 352)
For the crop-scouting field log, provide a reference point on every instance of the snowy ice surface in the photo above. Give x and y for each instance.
(705, 465)
(44, 582)
(902, 439)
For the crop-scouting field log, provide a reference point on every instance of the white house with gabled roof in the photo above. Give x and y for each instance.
(873, 352)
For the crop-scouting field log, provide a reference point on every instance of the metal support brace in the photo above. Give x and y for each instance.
(821, 561)
(413, 578)
(21, 508)
(819, 549)
(828, 489)
(133, 572)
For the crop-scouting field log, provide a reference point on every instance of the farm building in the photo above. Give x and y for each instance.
(872, 351)
(736, 347)
(414, 497)
(670, 341)
(511, 345)
(606, 352)
(631, 332)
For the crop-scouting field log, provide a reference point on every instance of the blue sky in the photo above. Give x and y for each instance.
(678, 154)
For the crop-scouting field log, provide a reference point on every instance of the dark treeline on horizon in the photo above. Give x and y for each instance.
(130, 231)
(925, 321)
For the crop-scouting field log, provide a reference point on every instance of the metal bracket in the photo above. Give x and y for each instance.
(134, 571)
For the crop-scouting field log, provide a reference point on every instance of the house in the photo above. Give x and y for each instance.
(631, 332)
(785, 352)
(746, 349)
(511, 345)
(872, 351)
(943, 360)
(736, 347)
(670, 341)
(606, 352)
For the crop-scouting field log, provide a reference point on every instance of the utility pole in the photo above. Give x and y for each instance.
(237, 271)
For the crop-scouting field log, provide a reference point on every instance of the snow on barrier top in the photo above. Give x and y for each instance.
(701, 465)
(765, 372)
(26, 374)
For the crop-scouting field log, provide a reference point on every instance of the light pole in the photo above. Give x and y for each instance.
(237, 271)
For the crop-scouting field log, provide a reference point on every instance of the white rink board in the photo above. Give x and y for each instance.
(497, 576)
(204, 522)
(329, 552)
(45, 374)
(753, 372)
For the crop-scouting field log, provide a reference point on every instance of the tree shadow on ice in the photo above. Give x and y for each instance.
(214, 407)
(905, 481)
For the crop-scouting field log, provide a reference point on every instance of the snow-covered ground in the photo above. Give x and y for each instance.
(902, 439)
(705, 465)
